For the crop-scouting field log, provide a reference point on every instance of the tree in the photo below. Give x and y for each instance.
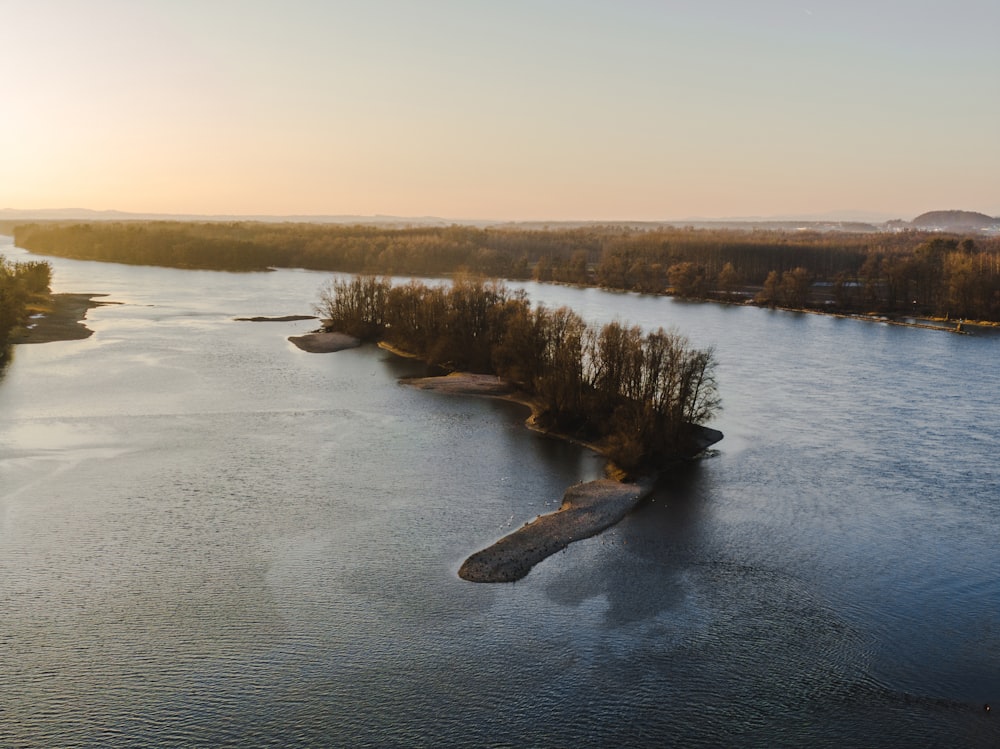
(543, 270)
(728, 281)
(771, 293)
(688, 280)
(794, 290)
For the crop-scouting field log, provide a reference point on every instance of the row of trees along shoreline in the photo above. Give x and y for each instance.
(902, 273)
(23, 287)
(639, 398)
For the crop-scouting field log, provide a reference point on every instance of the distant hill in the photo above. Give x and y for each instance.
(10, 215)
(955, 221)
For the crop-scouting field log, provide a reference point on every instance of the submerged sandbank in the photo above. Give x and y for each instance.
(586, 510)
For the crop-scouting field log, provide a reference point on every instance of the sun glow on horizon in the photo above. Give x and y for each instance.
(519, 112)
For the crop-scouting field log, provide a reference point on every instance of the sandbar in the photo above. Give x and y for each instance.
(282, 318)
(324, 342)
(586, 510)
(464, 383)
(61, 319)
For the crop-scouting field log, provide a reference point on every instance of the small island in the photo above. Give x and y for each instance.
(640, 400)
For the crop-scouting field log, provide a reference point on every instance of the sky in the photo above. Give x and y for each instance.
(513, 110)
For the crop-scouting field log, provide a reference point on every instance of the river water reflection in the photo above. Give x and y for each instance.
(210, 538)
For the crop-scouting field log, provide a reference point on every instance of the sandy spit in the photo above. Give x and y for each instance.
(464, 383)
(282, 318)
(62, 319)
(324, 343)
(587, 509)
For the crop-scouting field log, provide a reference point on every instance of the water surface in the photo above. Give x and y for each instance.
(210, 538)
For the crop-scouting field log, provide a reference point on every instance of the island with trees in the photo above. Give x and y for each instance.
(640, 399)
(903, 270)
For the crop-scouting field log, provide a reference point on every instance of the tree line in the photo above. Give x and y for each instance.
(909, 272)
(639, 397)
(21, 284)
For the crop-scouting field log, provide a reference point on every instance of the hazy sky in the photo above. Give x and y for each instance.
(548, 109)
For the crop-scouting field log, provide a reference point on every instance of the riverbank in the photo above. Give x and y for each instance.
(948, 326)
(586, 510)
(60, 318)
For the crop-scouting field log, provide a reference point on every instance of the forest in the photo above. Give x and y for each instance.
(893, 273)
(638, 397)
(22, 284)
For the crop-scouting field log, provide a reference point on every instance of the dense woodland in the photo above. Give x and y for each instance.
(638, 396)
(901, 273)
(21, 284)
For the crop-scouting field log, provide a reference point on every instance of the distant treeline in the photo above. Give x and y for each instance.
(20, 284)
(894, 273)
(638, 396)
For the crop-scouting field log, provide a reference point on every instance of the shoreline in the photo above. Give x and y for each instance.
(959, 325)
(906, 321)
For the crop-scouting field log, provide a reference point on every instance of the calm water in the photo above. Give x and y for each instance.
(211, 538)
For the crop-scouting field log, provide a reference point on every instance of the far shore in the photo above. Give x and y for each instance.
(948, 326)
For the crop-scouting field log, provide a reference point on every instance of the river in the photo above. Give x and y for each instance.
(211, 538)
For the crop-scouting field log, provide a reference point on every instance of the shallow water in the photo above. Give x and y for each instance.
(209, 538)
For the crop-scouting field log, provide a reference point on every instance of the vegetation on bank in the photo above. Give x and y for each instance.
(904, 273)
(638, 397)
(23, 286)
